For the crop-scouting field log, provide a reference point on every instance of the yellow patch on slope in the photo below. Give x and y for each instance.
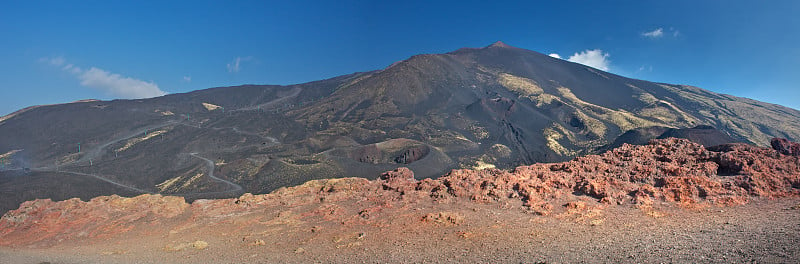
(69, 158)
(543, 99)
(593, 125)
(646, 97)
(621, 118)
(5, 117)
(480, 165)
(211, 107)
(522, 85)
(8, 154)
(168, 183)
(134, 141)
(171, 184)
(683, 114)
(661, 110)
(552, 136)
(189, 182)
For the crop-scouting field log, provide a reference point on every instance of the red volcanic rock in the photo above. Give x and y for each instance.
(45, 220)
(674, 170)
(400, 180)
(399, 173)
(760, 171)
(785, 147)
(666, 170)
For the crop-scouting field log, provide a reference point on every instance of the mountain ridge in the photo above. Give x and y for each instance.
(495, 106)
(650, 179)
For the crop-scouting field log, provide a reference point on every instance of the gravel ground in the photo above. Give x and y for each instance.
(763, 231)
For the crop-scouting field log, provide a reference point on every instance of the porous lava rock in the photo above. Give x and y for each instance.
(666, 170)
(785, 147)
(45, 220)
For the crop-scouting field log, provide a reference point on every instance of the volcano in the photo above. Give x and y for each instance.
(492, 107)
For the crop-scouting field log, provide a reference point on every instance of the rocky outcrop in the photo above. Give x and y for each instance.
(785, 147)
(105, 216)
(666, 170)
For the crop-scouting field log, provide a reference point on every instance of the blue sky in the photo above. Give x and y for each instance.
(62, 51)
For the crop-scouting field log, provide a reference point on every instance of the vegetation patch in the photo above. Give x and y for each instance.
(211, 107)
(137, 140)
(521, 85)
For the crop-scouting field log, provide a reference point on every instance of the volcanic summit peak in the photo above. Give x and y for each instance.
(500, 44)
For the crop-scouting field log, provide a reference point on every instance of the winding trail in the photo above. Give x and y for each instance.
(294, 92)
(102, 179)
(211, 167)
(271, 139)
(97, 151)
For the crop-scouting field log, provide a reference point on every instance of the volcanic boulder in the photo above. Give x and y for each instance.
(785, 147)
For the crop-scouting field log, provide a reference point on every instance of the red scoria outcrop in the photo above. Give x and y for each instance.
(785, 147)
(666, 170)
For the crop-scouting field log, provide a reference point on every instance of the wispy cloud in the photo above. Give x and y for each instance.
(235, 65)
(675, 32)
(661, 33)
(593, 58)
(654, 34)
(187, 79)
(71, 68)
(55, 61)
(110, 83)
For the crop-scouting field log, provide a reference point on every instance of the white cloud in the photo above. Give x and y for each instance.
(660, 33)
(593, 58)
(555, 55)
(657, 33)
(118, 85)
(187, 79)
(110, 83)
(234, 66)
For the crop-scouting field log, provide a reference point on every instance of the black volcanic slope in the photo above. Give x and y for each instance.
(475, 107)
(703, 134)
